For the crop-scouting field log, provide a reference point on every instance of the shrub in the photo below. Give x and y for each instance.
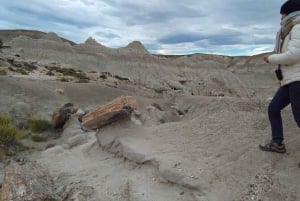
(103, 76)
(11, 69)
(2, 72)
(10, 137)
(8, 132)
(83, 81)
(64, 79)
(69, 72)
(50, 73)
(21, 71)
(4, 120)
(64, 71)
(38, 125)
(10, 153)
(39, 138)
(1, 43)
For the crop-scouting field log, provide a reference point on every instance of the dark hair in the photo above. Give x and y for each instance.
(290, 6)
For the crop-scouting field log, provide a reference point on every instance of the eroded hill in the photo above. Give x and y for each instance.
(194, 137)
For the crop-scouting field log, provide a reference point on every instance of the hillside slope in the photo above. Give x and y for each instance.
(194, 137)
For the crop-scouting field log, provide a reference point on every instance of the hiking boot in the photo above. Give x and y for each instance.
(273, 147)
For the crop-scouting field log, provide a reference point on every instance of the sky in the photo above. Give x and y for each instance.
(226, 27)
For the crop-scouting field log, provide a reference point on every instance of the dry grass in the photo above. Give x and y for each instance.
(38, 125)
(2, 72)
(21, 71)
(8, 132)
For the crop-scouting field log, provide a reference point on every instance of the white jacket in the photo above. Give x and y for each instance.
(289, 58)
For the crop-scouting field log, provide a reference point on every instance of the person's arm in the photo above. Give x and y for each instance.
(292, 55)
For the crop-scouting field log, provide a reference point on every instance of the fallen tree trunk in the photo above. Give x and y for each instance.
(27, 182)
(115, 110)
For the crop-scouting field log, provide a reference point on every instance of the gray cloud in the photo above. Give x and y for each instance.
(107, 34)
(51, 17)
(138, 14)
(180, 38)
(162, 26)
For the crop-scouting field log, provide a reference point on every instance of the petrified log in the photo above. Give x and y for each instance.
(115, 110)
(62, 114)
(27, 182)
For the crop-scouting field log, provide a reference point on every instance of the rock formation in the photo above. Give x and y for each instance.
(115, 110)
(194, 137)
(62, 114)
(27, 182)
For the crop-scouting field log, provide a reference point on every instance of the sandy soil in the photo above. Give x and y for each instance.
(194, 137)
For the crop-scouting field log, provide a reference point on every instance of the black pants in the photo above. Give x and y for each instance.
(285, 95)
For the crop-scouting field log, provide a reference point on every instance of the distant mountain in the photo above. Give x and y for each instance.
(7, 35)
(136, 46)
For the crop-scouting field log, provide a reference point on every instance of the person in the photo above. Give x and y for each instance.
(287, 57)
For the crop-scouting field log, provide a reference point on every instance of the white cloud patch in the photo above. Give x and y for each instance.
(171, 27)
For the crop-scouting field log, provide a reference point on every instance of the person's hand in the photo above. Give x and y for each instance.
(266, 59)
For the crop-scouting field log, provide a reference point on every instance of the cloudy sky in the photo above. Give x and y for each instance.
(228, 27)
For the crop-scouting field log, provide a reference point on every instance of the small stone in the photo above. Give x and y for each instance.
(137, 113)
(60, 91)
(182, 193)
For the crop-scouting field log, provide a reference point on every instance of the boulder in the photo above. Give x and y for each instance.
(62, 114)
(115, 110)
(27, 182)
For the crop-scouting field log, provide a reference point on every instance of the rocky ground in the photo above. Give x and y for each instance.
(194, 136)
